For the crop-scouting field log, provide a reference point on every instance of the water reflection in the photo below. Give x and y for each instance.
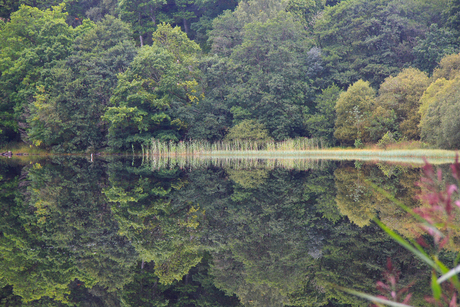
(226, 232)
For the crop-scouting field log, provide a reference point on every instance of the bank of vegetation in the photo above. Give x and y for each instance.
(95, 75)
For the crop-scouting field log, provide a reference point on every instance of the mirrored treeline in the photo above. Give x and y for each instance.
(204, 232)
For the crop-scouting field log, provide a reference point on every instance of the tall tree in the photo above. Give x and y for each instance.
(449, 67)
(143, 16)
(320, 124)
(438, 43)
(161, 78)
(306, 10)
(268, 75)
(7, 7)
(368, 40)
(32, 40)
(439, 124)
(453, 13)
(402, 94)
(353, 112)
(439, 105)
(66, 113)
(228, 29)
(92, 9)
(207, 11)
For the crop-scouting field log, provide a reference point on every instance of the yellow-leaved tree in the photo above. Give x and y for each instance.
(402, 94)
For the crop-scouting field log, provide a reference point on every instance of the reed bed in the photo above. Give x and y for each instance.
(169, 149)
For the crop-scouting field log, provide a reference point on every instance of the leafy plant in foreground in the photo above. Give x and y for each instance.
(437, 220)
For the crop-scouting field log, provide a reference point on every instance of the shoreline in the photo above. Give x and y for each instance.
(412, 155)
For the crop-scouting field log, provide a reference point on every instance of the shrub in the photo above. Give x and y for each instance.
(386, 140)
(248, 130)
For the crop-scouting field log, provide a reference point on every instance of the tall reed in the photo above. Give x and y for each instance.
(196, 147)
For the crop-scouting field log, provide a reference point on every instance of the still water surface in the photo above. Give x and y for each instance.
(134, 232)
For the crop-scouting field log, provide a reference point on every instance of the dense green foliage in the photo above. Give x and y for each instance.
(148, 94)
(93, 74)
(31, 41)
(353, 112)
(265, 60)
(402, 94)
(68, 107)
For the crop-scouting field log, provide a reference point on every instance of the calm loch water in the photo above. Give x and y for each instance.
(137, 232)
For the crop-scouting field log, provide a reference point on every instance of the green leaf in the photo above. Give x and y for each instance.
(435, 287)
(405, 208)
(373, 298)
(416, 251)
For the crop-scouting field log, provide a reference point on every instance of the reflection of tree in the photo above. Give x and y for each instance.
(62, 239)
(354, 258)
(168, 237)
(412, 227)
(355, 198)
(368, 248)
(28, 262)
(75, 217)
(401, 183)
(320, 188)
(10, 258)
(160, 231)
(358, 200)
(195, 289)
(262, 227)
(232, 276)
(63, 231)
(248, 178)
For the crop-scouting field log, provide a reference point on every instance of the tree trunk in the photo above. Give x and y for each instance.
(140, 34)
(152, 15)
(185, 26)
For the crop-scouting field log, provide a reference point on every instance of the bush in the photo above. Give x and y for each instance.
(386, 140)
(248, 130)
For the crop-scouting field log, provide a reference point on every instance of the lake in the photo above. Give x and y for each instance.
(131, 231)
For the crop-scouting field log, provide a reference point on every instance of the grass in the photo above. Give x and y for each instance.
(403, 144)
(202, 147)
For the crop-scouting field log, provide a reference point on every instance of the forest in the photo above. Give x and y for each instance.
(92, 75)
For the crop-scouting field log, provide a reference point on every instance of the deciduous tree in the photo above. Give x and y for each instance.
(32, 40)
(368, 40)
(161, 79)
(440, 125)
(402, 94)
(66, 113)
(267, 67)
(354, 109)
(320, 122)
